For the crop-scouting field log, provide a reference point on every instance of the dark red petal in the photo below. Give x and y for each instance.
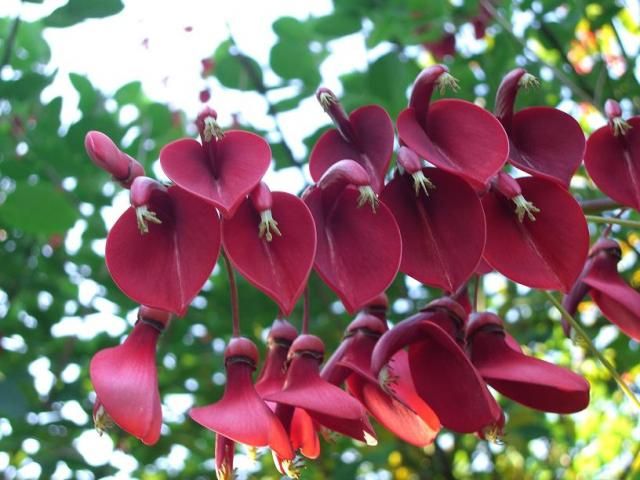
(546, 253)
(443, 234)
(358, 251)
(242, 416)
(241, 159)
(613, 162)
(618, 301)
(374, 132)
(279, 267)
(527, 380)
(166, 267)
(546, 142)
(447, 381)
(126, 382)
(459, 137)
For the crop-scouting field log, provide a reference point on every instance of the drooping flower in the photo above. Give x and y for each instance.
(274, 369)
(536, 232)
(222, 169)
(543, 141)
(126, 381)
(241, 415)
(271, 240)
(617, 301)
(366, 136)
(163, 248)
(443, 376)
(612, 157)
(359, 244)
(525, 379)
(399, 410)
(441, 222)
(454, 135)
(106, 155)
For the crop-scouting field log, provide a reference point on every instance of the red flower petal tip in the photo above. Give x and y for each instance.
(106, 155)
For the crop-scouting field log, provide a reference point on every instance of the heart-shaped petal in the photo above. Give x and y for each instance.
(373, 130)
(613, 162)
(223, 172)
(443, 234)
(166, 267)
(278, 267)
(548, 252)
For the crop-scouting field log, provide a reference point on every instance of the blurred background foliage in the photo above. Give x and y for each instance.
(58, 305)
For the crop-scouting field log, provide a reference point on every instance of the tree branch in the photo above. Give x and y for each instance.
(10, 42)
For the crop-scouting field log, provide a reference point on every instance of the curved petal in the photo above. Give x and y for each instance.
(374, 132)
(166, 267)
(527, 380)
(241, 159)
(459, 137)
(443, 234)
(304, 435)
(613, 162)
(359, 250)
(546, 253)
(126, 383)
(546, 142)
(279, 267)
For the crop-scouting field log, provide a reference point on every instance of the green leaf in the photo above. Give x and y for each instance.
(292, 59)
(336, 25)
(129, 93)
(38, 209)
(88, 95)
(27, 87)
(76, 11)
(234, 70)
(289, 27)
(12, 401)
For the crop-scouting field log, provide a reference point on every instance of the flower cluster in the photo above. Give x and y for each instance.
(443, 225)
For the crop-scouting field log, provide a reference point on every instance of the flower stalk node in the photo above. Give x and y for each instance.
(525, 207)
(144, 215)
(267, 226)
(367, 195)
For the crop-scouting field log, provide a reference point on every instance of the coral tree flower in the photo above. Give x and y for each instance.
(402, 412)
(274, 370)
(271, 240)
(543, 141)
(444, 377)
(222, 169)
(359, 244)
(307, 399)
(619, 303)
(454, 135)
(241, 415)
(536, 232)
(163, 248)
(527, 380)
(126, 381)
(366, 136)
(106, 155)
(612, 157)
(441, 222)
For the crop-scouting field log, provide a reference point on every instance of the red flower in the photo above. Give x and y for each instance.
(223, 169)
(441, 222)
(106, 155)
(527, 380)
(612, 157)
(241, 415)
(543, 241)
(443, 376)
(271, 240)
(274, 369)
(366, 136)
(543, 141)
(454, 135)
(163, 248)
(359, 246)
(126, 381)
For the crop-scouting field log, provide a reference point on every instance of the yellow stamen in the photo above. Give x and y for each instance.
(212, 129)
(101, 420)
(446, 80)
(267, 225)
(144, 215)
(620, 126)
(525, 207)
(528, 81)
(421, 182)
(367, 195)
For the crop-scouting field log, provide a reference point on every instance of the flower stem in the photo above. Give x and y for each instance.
(305, 312)
(589, 343)
(235, 310)
(612, 220)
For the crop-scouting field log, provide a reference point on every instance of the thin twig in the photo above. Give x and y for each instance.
(235, 309)
(598, 205)
(612, 220)
(10, 42)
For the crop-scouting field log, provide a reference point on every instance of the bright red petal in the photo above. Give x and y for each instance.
(443, 234)
(374, 130)
(546, 142)
(241, 159)
(459, 137)
(546, 253)
(166, 267)
(613, 162)
(358, 251)
(304, 435)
